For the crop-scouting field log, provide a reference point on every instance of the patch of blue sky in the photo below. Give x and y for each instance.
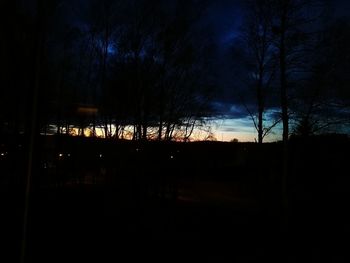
(243, 129)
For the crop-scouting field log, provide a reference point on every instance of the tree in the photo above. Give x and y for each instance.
(258, 39)
(159, 69)
(293, 29)
(280, 34)
(140, 64)
(324, 103)
(292, 26)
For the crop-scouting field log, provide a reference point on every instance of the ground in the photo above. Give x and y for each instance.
(217, 202)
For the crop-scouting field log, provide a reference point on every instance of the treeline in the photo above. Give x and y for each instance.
(122, 69)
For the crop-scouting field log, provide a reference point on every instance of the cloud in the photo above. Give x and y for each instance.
(229, 110)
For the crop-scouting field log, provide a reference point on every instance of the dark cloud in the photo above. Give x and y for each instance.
(230, 110)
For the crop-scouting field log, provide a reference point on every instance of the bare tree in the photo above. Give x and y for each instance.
(294, 30)
(258, 39)
(324, 105)
(164, 69)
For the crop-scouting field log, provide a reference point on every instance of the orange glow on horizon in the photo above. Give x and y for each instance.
(247, 135)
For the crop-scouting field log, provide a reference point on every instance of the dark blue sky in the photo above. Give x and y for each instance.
(226, 18)
(342, 8)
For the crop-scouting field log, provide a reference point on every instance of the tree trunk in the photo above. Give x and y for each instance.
(260, 109)
(285, 116)
(283, 76)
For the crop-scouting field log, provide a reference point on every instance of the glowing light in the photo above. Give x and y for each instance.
(86, 110)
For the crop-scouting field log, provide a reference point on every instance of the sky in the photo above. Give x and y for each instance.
(342, 8)
(226, 17)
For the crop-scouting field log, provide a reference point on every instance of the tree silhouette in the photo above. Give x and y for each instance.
(261, 59)
(292, 27)
(157, 69)
(324, 103)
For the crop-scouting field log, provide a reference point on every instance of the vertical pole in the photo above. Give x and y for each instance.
(32, 131)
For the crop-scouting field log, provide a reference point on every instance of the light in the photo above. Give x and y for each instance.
(87, 110)
(101, 155)
(60, 155)
(2, 154)
(68, 154)
(171, 157)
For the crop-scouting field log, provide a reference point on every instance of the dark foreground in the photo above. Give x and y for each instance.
(216, 202)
